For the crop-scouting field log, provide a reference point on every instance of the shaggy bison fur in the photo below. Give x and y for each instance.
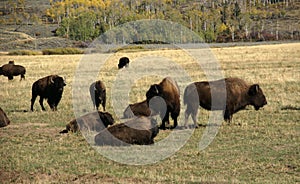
(140, 131)
(4, 121)
(98, 94)
(95, 121)
(10, 70)
(169, 91)
(234, 97)
(50, 88)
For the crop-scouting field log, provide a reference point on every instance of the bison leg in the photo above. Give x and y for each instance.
(41, 103)
(103, 104)
(10, 77)
(174, 117)
(32, 101)
(22, 77)
(191, 109)
(227, 116)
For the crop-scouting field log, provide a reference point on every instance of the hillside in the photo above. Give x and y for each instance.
(28, 27)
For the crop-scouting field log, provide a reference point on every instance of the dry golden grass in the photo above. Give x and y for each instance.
(258, 147)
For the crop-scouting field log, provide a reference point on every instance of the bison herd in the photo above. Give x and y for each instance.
(229, 95)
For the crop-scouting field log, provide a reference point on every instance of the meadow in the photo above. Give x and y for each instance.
(257, 147)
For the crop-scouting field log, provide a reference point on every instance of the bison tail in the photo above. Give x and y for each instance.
(185, 96)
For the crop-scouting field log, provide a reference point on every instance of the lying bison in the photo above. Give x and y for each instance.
(137, 109)
(50, 88)
(123, 62)
(98, 94)
(4, 121)
(10, 70)
(238, 95)
(169, 91)
(95, 121)
(140, 131)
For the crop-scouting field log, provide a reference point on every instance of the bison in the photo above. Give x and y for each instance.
(4, 121)
(237, 95)
(98, 94)
(140, 131)
(123, 62)
(137, 109)
(169, 91)
(95, 121)
(50, 88)
(10, 70)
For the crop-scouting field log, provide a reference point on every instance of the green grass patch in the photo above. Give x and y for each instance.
(62, 51)
(24, 52)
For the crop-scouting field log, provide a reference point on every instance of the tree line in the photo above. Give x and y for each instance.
(214, 21)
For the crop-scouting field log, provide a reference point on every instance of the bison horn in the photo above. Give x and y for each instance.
(51, 80)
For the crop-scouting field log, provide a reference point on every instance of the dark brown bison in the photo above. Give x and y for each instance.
(98, 94)
(123, 62)
(4, 121)
(95, 121)
(237, 96)
(50, 88)
(137, 109)
(169, 91)
(10, 70)
(140, 131)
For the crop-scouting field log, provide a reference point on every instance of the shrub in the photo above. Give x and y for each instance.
(62, 51)
(24, 52)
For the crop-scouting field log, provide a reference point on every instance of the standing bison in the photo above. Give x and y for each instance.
(4, 121)
(10, 70)
(140, 131)
(95, 121)
(50, 88)
(123, 62)
(238, 95)
(98, 94)
(169, 91)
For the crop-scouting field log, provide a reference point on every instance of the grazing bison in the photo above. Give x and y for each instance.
(95, 121)
(98, 94)
(10, 70)
(123, 62)
(238, 95)
(169, 91)
(4, 121)
(139, 131)
(50, 88)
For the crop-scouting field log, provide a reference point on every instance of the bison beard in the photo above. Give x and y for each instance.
(238, 95)
(4, 121)
(169, 91)
(95, 121)
(50, 88)
(140, 131)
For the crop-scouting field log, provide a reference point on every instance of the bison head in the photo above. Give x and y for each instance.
(257, 97)
(106, 118)
(100, 93)
(58, 82)
(154, 90)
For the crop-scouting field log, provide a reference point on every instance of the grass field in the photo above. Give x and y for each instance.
(258, 147)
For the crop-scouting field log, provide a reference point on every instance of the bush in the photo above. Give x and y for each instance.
(62, 51)
(24, 52)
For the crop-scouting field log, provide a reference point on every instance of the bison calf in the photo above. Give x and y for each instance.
(140, 131)
(95, 121)
(123, 62)
(10, 70)
(4, 121)
(235, 96)
(98, 94)
(50, 88)
(169, 91)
